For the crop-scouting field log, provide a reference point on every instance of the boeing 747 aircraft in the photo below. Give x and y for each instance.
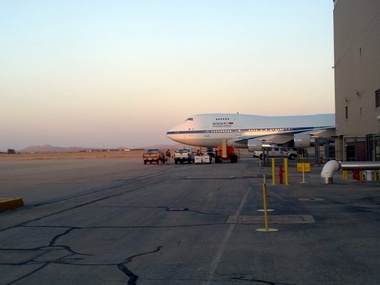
(250, 131)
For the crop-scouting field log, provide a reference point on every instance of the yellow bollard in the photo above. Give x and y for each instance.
(266, 218)
(345, 175)
(286, 168)
(265, 206)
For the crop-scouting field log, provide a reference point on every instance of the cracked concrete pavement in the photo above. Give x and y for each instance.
(117, 221)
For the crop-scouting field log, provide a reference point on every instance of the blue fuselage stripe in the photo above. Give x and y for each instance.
(285, 130)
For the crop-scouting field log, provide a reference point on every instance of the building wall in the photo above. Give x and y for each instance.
(357, 71)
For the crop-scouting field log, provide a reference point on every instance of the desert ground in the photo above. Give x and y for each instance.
(86, 155)
(72, 155)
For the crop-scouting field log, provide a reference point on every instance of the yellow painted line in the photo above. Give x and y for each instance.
(10, 203)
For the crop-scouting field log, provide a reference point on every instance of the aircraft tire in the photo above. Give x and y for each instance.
(234, 158)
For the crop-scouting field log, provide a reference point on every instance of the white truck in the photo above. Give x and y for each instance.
(184, 154)
(275, 152)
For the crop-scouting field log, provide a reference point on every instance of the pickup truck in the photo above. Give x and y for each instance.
(153, 155)
(184, 154)
(276, 151)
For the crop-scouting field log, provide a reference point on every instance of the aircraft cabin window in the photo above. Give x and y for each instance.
(189, 119)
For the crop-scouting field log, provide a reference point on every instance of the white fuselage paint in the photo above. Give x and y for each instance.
(208, 130)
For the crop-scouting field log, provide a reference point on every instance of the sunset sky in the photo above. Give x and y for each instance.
(121, 73)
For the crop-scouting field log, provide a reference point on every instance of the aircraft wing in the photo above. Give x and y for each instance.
(282, 137)
(275, 139)
(324, 133)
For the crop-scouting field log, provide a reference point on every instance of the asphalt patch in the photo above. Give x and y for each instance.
(274, 219)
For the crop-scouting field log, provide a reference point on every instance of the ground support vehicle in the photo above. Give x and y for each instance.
(275, 152)
(230, 154)
(198, 159)
(153, 155)
(184, 155)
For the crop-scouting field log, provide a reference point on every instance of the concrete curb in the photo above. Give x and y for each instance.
(10, 203)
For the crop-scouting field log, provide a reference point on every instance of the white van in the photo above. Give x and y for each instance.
(276, 151)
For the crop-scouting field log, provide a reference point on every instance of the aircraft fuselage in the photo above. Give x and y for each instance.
(208, 130)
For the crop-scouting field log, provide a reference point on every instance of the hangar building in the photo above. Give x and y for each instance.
(357, 79)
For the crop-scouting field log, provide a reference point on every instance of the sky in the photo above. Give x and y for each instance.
(109, 74)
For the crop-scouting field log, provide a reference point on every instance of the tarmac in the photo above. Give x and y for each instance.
(118, 221)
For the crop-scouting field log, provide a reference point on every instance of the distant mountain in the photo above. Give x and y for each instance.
(50, 148)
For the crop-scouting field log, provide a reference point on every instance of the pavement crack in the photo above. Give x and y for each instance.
(187, 210)
(54, 239)
(122, 266)
(66, 255)
(250, 279)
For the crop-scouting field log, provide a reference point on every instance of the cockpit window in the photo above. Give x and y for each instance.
(189, 119)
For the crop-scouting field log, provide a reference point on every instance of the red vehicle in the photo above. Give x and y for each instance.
(228, 154)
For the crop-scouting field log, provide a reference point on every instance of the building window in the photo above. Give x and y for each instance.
(346, 111)
(377, 98)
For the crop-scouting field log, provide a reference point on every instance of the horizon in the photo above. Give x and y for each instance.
(54, 148)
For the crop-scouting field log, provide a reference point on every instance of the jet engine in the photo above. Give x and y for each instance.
(254, 145)
(302, 140)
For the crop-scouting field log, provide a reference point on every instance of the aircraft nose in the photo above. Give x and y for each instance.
(169, 134)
